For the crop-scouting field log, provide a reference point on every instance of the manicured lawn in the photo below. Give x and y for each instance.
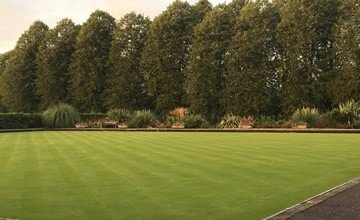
(115, 175)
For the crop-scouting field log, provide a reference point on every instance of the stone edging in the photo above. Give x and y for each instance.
(300, 207)
(252, 130)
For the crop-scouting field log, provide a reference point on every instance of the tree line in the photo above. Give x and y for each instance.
(246, 57)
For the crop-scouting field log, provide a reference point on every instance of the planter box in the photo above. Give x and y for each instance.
(245, 126)
(81, 126)
(177, 126)
(300, 126)
(122, 126)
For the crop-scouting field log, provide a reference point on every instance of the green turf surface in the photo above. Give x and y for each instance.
(115, 175)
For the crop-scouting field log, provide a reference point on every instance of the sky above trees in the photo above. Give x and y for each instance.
(17, 15)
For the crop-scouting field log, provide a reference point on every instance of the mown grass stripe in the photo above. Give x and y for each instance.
(114, 175)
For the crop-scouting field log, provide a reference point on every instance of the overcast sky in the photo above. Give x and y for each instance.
(17, 15)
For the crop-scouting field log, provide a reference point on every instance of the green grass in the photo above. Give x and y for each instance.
(115, 175)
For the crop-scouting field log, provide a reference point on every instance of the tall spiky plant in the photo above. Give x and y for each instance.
(351, 110)
(60, 116)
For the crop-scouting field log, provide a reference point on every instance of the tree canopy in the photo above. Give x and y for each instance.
(166, 54)
(252, 80)
(90, 65)
(53, 61)
(257, 57)
(18, 86)
(125, 88)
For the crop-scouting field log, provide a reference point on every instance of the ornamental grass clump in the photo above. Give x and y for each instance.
(305, 115)
(60, 116)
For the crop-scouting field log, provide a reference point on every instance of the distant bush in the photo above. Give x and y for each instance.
(90, 117)
(119, 115)
(230, 121)
(60, 116)
(169, 121)
(20, 120)
(267, 122)
(142, 119)
(195, 121)
(305, 115)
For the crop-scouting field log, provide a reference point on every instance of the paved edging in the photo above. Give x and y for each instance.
(300, 207)
(252, 130)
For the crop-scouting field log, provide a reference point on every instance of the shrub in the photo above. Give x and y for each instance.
(286, 124)
(195, 121)
(170, 120)
(230, 121)
(119, 115)
(60, 116)
(325, 121)
(266, 122)
(350, 110)
(90, 117)
(20, 120)
(142, 119)
(305, 115)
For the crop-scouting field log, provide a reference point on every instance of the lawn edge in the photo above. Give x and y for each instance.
(252, 130)
(313, 201)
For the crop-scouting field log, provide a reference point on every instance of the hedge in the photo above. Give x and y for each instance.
(20, 120)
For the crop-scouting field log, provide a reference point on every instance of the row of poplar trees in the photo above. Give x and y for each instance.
(246, 57)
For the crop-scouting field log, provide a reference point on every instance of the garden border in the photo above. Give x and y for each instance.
(251, 130)
(313, 201)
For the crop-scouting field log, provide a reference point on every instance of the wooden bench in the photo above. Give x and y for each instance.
(110, 123)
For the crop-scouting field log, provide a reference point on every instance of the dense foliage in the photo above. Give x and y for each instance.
(20, 120)
(90, 66)
(18, 88)
(53, 61)
(125, 87)
(260, 58)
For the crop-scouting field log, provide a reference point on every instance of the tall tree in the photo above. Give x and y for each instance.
(53, 60)
(346, 85)
(18, 79)
(306, 36)
(202, 7)
(251, 84)
(125, 82)
(4, 58)
(166, 55)
(90, 64)
(207, 68)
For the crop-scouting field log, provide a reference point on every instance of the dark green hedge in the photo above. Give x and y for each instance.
(34, 120)
(20, 120)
